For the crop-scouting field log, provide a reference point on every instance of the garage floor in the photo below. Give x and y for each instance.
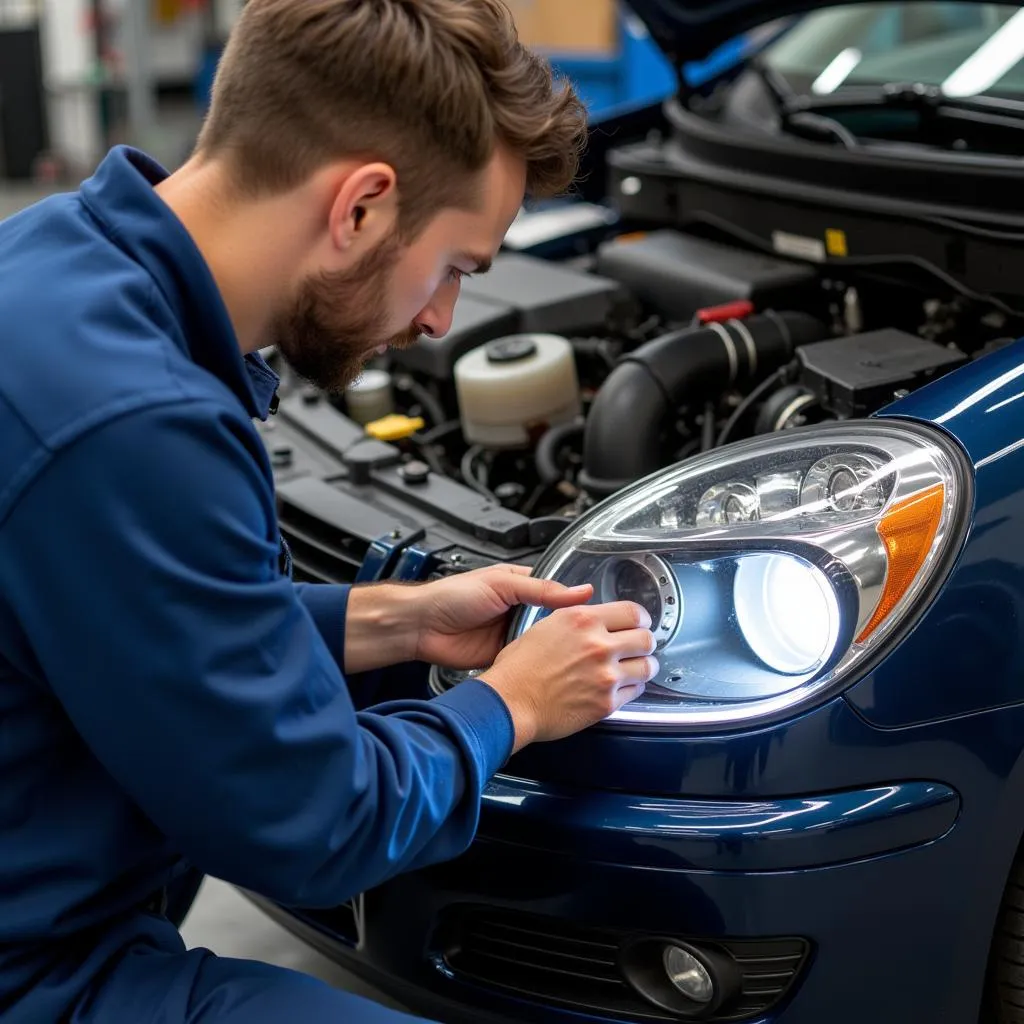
(228, 924)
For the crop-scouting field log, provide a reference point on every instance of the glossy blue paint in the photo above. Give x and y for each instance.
(412, 564)
(968, 653)
(914, 956)
(721, 835)
(881, 826)
(828, 750)
(380, 560)
(928, 911)
(690, 29)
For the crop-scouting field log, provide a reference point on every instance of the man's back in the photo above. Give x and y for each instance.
(159, 675)
(87, 337)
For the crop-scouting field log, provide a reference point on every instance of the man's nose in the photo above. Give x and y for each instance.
(435, 320)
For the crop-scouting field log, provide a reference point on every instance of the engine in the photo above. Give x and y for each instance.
(562, 382)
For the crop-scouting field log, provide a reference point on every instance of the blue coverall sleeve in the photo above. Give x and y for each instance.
(142, 567)
(327, 603)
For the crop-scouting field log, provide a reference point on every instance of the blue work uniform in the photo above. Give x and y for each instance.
(169, 698)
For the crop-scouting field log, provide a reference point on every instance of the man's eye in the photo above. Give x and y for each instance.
(457, 275)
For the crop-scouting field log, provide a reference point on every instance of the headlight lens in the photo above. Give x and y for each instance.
(775, 568)
(787, 612)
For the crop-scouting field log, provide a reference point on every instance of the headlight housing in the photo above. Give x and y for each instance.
(775, 570)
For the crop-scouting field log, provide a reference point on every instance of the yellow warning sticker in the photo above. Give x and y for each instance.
(835, 242)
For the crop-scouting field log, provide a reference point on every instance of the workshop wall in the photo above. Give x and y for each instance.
(568, 26)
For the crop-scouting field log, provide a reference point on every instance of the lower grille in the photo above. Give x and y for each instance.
(553, 961)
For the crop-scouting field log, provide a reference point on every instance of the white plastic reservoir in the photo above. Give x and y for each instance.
(512, 389)
(370, 397)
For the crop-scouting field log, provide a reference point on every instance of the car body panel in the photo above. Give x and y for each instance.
(727, 835)
(970, 648)
(911, 926)
(927, 945)
(879, 826)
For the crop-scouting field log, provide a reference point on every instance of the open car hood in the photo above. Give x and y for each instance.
(691, 30)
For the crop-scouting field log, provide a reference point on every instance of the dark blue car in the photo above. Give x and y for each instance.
(776, 333)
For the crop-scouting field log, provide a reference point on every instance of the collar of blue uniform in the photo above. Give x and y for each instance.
(121, 196)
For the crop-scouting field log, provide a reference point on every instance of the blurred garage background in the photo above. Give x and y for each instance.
(77, 76)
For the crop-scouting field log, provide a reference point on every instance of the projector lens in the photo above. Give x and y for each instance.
(649, 582)
(787, 612)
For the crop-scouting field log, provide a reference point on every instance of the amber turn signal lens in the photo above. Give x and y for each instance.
(907, 531)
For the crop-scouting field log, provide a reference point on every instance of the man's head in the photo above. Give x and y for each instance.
(408, 132)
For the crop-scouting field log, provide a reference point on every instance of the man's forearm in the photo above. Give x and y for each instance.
(380, 627)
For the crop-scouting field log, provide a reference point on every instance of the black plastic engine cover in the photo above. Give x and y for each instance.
(857, 376)
(352, 508)
(520, 294)
(678, 274)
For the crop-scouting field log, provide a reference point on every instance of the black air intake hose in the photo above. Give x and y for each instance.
(623, 437)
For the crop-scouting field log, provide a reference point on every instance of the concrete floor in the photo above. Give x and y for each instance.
(226, 923)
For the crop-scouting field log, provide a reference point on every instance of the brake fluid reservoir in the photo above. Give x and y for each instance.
(514, 388)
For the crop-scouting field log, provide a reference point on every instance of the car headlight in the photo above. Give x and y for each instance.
(774, 570)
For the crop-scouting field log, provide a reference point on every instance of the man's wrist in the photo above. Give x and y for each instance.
(380, 627)
(520, 709)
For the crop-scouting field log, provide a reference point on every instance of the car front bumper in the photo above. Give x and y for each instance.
(828, 908)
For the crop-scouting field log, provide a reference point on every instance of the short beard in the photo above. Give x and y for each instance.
(337, 319)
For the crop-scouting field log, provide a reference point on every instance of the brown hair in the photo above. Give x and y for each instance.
(428, 86)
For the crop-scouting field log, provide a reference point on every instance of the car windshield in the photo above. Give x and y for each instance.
(966, 49)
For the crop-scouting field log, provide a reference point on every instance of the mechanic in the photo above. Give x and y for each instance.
(171, 702)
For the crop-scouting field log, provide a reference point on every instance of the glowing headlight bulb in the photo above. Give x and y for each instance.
(787, 612)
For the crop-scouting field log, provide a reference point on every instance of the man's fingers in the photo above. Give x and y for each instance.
(618, 615)
(525, 589)
(638, 671)
(634, 643)
(625, 694)
(519, 570)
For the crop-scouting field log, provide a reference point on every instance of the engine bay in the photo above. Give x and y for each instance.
(563, 381)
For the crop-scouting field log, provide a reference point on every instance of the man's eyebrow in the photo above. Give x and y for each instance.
(480, 264)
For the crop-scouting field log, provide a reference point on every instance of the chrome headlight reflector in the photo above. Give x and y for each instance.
(775, 569)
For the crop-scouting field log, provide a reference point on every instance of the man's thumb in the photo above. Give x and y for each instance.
(549, 594)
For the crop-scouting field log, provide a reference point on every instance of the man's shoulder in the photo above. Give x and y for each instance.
(85, 336)
(82, 325)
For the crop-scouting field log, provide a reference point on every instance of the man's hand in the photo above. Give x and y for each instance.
(462, 621)
(574, 668)
(459, 622)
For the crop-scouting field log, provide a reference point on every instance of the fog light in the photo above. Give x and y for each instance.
(689, 981)
(688, 974)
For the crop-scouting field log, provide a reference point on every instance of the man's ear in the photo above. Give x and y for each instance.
(365, 208)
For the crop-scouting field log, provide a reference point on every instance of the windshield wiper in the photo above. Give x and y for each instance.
(792, 117)
(815, 116)
(914, 97)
